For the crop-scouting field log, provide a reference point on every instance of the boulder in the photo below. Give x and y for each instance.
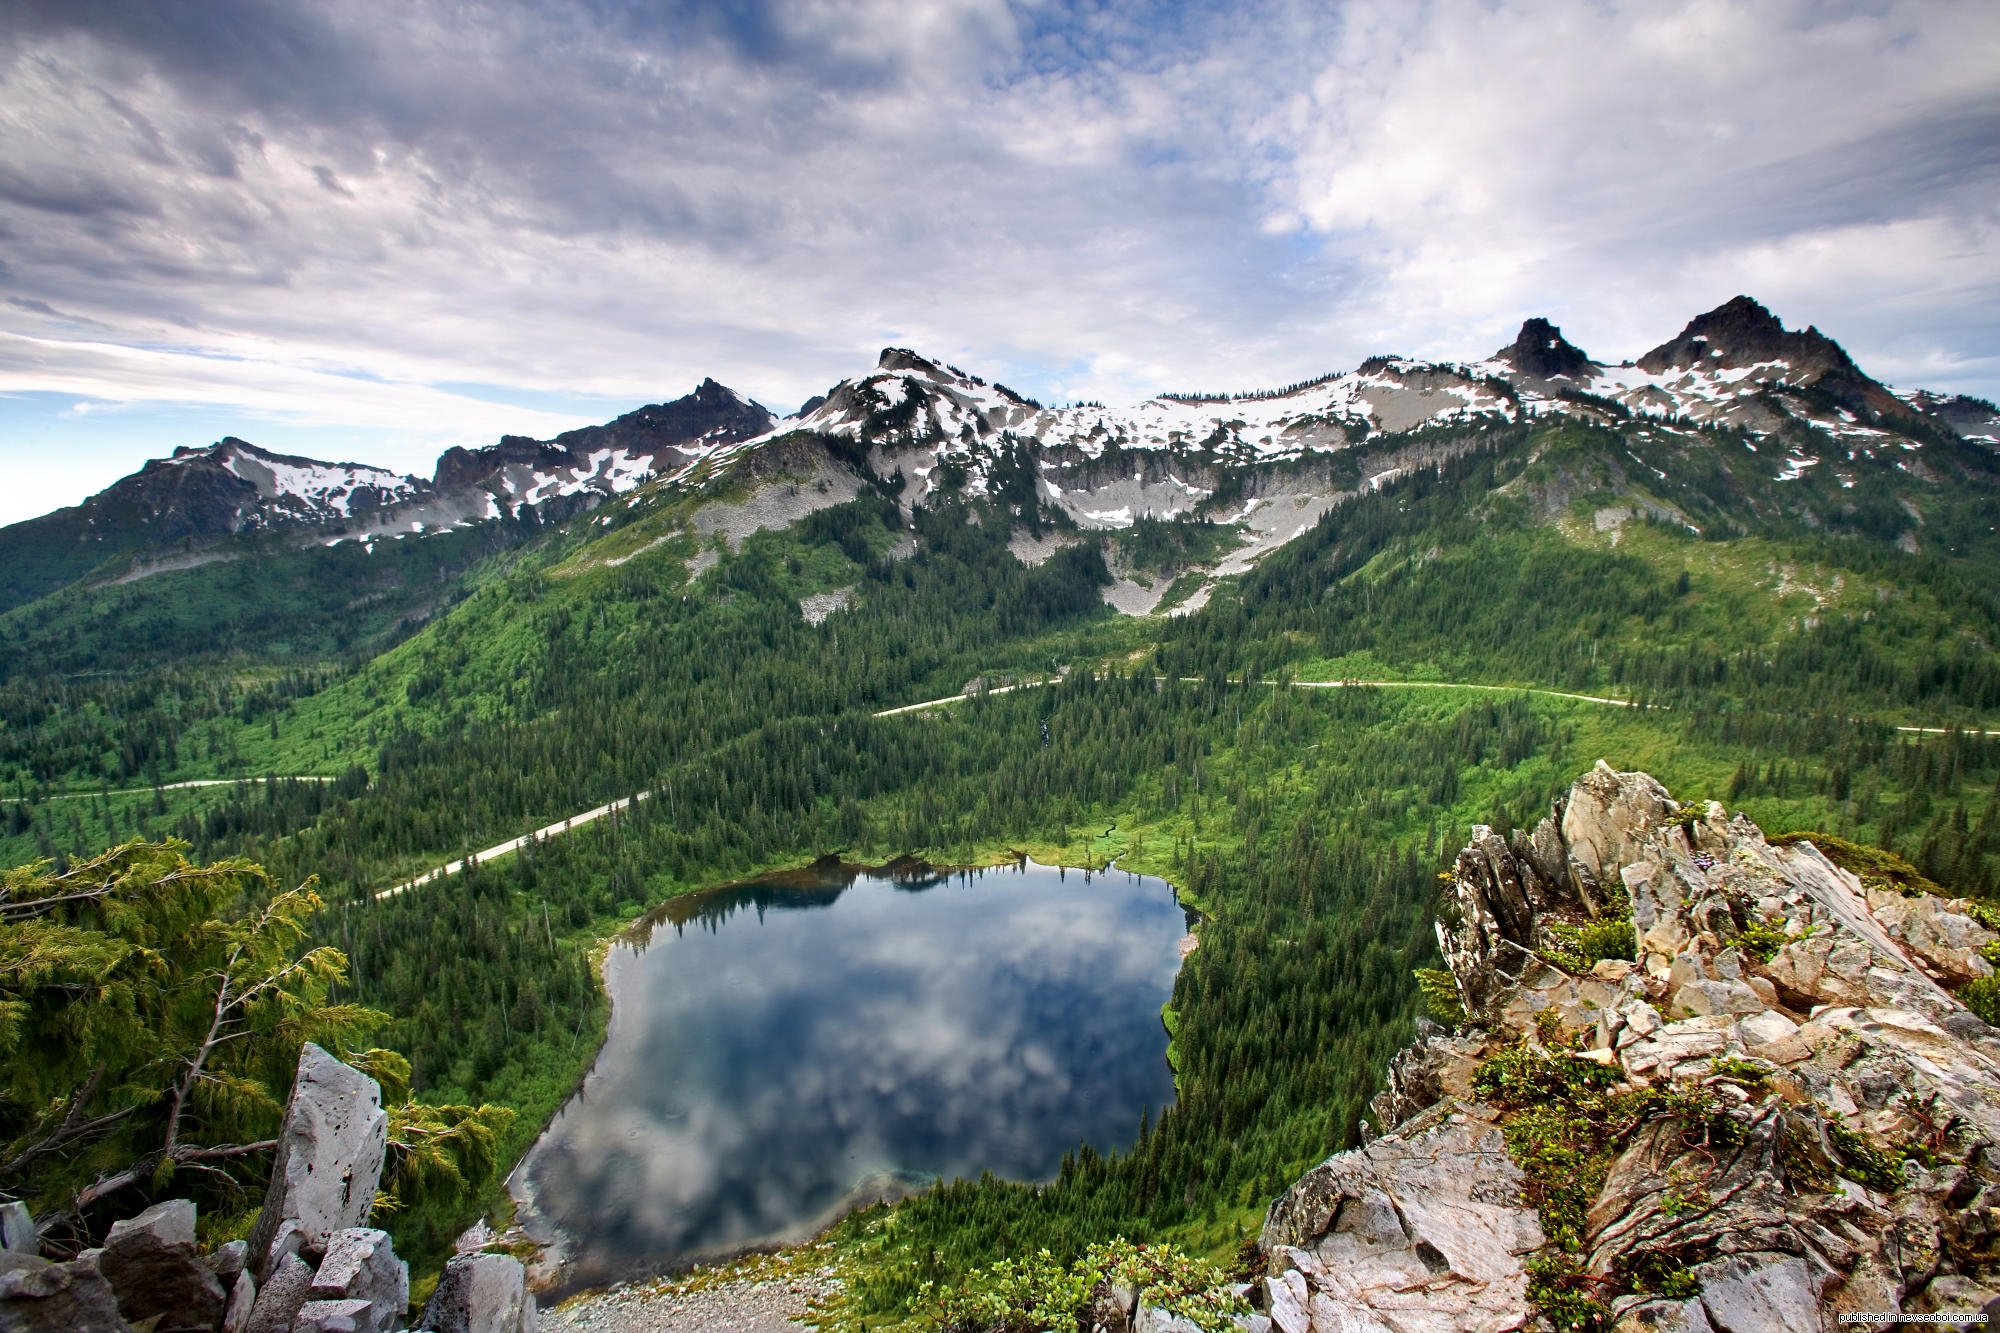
(150, 1262)
(481, 1293)
(329, 1156)
(361, 1265)
(280, 1297)
(37, 1296)
(17, 1229)
(228, 1260)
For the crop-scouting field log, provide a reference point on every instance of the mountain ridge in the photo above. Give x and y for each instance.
(1285, 455)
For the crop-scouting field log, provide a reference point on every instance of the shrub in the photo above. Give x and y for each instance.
(1982, 996)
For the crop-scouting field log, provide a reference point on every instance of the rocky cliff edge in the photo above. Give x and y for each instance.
(1701, 1082)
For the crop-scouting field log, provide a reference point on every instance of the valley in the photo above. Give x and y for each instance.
(1282, 651)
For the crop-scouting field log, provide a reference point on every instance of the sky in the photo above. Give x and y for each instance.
(367, 231)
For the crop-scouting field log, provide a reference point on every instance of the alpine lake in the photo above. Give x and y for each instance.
(783, 1050)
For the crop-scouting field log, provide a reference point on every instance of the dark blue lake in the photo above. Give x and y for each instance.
(782, 1051)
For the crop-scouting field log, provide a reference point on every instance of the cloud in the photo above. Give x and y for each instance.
(1624, 165)
(990, 1022)
(1086, 200)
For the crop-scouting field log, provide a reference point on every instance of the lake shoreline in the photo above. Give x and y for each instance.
(1063, 937)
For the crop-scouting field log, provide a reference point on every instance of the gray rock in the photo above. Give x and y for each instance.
(329, 1157)
(1438, 1212)
(289, 1240)
(149, 1261)
(281, 1297)
(481, 1293)
(228, 1260)
(17, 1229)
(1759, 1293)
(37, 1296)
(169, 1223)
(345, 1316)
(361, 1265)
(242, 1300)
(1111, 1306)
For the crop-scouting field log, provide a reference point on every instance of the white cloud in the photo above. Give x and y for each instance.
(310, 214)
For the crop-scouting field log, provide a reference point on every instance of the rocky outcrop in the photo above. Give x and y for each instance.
(1541, 351)
(1770, 1111)
(1429, 1226)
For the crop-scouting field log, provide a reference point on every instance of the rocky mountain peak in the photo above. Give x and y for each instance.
(1742, 332)
(1542, 351)
(902, 358)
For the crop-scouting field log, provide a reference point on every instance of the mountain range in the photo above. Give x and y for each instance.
(1271, 462)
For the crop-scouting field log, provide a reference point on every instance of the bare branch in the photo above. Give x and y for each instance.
(71, 1130)
(227, 1150)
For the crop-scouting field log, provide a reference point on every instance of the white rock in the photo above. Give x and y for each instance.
(1765, 1028)
(481, 1293)
(1285, 1299)
(1643, 1018)
(17, 1229)
(330, 1151)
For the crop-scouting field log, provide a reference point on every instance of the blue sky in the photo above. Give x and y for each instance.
(373, 230)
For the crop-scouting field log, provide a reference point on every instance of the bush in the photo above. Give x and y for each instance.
(1039, 1292)
(1982, 996)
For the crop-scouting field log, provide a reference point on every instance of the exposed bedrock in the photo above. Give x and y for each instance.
(1772, 1111)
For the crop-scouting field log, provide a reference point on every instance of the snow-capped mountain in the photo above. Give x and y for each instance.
(1270, 462)
(234, 486)
(1736, 366)
(210, 494)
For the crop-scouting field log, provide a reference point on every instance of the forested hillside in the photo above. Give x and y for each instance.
(1783, 644)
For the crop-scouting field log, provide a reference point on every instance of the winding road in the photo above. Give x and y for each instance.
(577, 821)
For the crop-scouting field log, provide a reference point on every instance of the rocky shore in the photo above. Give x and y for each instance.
(742, 1305)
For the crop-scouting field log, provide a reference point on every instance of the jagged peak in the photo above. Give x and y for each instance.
(1541, 350)
(1743, 332)
(902, 358)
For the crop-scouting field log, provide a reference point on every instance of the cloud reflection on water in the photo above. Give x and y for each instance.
(773, 1048)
